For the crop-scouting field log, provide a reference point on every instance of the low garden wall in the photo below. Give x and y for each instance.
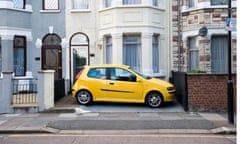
(205, 92)
(208, 92)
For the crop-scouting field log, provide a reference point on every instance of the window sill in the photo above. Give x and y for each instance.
(132, 6)
(80, 10)
(50, 11)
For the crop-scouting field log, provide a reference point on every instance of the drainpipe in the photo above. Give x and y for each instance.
(179, 21)
(230, 82)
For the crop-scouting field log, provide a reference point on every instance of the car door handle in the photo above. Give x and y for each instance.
(111, 83)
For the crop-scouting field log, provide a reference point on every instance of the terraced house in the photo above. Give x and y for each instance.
(65, 35)
(208, 53)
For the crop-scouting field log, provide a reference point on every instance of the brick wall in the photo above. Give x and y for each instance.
(208, 92)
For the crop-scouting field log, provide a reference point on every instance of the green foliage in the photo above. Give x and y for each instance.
(196, 71)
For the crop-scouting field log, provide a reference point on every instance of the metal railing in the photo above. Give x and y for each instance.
(24, 93)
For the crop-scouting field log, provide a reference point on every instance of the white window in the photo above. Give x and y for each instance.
(131, 2)
(108, 50)
(155, 54)
(219, 54)
(132, 55)
(155, 2)
(80, 4)
(191, 3)
(50, 5)
(107, 3)
(219, 2)
(19, 55)
(19, 4)
(193, 59)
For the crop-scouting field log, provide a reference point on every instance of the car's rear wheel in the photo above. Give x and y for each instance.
(84, 97)
(154, 99)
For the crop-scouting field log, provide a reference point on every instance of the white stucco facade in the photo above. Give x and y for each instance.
(143, 20)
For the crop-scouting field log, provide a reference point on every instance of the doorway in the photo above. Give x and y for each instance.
(79, 53)
(52, 60)
(52, 55)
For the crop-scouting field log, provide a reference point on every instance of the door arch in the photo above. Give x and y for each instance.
(52, 54)
(78, 53)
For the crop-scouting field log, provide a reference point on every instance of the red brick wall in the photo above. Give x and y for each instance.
(208, 92)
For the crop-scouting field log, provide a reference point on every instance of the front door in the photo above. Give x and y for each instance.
(52, 56)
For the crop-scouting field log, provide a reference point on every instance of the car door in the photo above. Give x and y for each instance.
(96, 82)
(122, 86)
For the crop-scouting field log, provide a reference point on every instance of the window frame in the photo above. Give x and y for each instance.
(107, 3)
(219, 2)
(223, 67)
(192, 50)
(191, 3)
(23, 6)
(127, 45)
(108, 49)
(24, 47)
(131, 2)
(44, 8)
(155, 3)
(155, 58)
(104, 77)
(128, 78)
(80, 9)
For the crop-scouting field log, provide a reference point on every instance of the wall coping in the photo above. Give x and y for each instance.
(206, 74)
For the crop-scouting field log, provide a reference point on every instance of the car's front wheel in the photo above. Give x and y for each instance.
(84, 97)
(154, 99)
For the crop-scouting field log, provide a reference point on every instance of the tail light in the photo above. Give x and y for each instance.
(78, 75)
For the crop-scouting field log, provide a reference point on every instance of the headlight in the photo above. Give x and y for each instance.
(170, 88)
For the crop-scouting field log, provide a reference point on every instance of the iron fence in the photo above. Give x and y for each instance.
(24, 93)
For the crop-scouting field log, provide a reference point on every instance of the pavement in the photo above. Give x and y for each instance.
(116, 119)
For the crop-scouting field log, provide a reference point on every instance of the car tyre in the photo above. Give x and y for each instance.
(84, 97)
(154, 100)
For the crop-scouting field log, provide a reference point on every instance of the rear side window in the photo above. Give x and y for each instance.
(99, 73)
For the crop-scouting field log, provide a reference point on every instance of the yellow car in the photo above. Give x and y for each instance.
(119, 83)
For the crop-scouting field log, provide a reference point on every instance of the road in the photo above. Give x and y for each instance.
(117, 139)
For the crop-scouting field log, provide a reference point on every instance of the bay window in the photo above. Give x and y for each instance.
(132, 51)
(107, 3)
(131, 2)
(80, 4)
(155, 54)
(108, 50)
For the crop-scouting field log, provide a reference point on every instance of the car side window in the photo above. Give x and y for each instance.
(99, 73)
(122, 75)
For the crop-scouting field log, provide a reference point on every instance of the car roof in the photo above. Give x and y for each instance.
(107, 65)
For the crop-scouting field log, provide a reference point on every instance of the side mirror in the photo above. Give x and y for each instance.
(138, 80)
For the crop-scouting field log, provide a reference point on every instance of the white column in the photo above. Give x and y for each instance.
(147, 53)
(117, 48)
(6, 91)
(164, 56)
(100, 50)
(45, 89)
